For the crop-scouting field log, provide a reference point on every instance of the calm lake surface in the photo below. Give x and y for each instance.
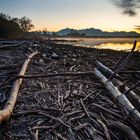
(101, 43)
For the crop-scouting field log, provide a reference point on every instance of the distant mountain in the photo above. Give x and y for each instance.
(65, 32)
(92, 32)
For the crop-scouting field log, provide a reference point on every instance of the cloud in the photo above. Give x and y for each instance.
(130, 12)
(129, 7)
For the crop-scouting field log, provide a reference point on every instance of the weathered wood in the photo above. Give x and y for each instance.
(128, 132)
(133, 87)
(132, 96)
(88, 73)
(8, 108)
(67, 74)
(106, 132)
(105, 70)
(121, 99)
(123, 64)
(12, 45)
(107, 110)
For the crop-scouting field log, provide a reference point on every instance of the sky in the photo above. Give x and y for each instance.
(119, 15)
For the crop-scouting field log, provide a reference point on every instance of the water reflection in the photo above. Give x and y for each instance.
(102, 43)
(119, 46)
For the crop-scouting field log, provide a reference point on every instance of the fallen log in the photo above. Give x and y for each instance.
(127, 131)
(121, 99)
(132, 96)
(11, 46)
(8, 108)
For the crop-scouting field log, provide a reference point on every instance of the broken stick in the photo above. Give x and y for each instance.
(121, 99)
(8, 108)
(132, 96)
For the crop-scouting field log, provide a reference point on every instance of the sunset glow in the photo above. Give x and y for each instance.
(78, 14)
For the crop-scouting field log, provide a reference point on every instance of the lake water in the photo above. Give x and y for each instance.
(101, 43)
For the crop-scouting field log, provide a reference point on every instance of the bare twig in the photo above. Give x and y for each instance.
(124, 62)
(84, 108)
(133, 87)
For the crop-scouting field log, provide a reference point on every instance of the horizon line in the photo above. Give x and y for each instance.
(134, 30)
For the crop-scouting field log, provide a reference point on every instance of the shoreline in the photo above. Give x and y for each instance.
(110, 43)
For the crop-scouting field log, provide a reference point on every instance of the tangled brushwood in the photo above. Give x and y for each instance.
(61, 92)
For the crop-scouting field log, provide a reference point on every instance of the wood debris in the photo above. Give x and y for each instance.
(61, 96)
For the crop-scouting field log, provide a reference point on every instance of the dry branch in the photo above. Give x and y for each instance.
(12, 45)
(121, 99)
(132, 96)
(133, 87)
(88, 73)
(129, 133)
(106, 132)
(8, 108)
(14, 77)
(124, 62)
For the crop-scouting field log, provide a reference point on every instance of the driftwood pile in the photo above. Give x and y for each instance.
(68, 93)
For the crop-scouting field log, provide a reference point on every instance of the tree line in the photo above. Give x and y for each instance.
(14, 27)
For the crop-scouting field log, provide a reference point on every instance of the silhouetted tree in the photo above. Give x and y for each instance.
(44, 31)
(4, 16)
(9, 29)
(25, 24)
(15, 20)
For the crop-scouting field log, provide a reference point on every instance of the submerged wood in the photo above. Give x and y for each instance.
(132, 96)
(8, 108)
(121, 99)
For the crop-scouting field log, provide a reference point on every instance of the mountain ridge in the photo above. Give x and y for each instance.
(93, 32)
